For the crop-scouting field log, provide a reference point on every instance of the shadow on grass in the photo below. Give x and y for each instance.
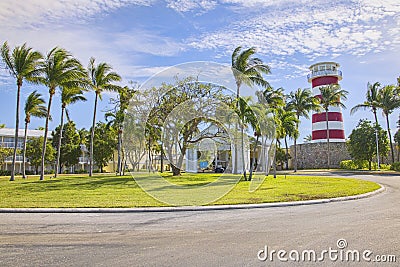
(81, 183)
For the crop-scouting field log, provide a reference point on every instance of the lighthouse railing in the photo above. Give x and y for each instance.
(324, 73)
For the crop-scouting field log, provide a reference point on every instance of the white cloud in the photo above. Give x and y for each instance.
(191, 5)
(314, 29)
(33, 12)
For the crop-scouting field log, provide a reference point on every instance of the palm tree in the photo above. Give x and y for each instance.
(372, 103)
(389, 100)
(302, 102)
(245, 114)
(69, 95)
(247, 70)
(101, 79)
(116, 116)
(59, 70)
(288, 128)
(22, 64)
(331, 95)
(33, 108)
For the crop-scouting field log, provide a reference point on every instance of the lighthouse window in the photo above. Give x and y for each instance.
(321, 67)
(333, 68)
(328, 67)
(315, 68)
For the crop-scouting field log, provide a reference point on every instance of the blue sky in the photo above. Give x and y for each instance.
(141, 37)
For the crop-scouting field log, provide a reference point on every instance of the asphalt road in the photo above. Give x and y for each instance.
(207, 238)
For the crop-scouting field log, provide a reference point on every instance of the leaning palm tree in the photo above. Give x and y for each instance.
(331, 95)
(371, 103)
(34, 107)
(302, 102)
(22, 64)
(101, 79)
(247, 70)
(60, 69)
(389, 100)
(69, 95)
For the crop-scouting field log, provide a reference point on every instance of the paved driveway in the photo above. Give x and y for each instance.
(206, 238)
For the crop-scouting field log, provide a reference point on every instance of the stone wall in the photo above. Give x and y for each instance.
(314, 155)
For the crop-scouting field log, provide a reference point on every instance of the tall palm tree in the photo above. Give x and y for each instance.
(331, 95)
(389, 100)
(247, 70)
(371, 103)
(116, 116)
(245, 114)
(22, 64)
(34, 107)
(289, 128)
(302, 102)
(275, 100)
(60, 69)
(69, 95)
(101, 79)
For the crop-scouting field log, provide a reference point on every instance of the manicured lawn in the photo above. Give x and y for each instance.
(115, 191)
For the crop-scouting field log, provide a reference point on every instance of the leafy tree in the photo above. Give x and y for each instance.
(70, 149)
(116, 116)
(389, 100)
(59, 69)
(331, 95)
(104, 144)
(361, 142)
(301, 102)
(34, 107)
(182, 92)
(101, 78)
(34, 152)
(22, 64)
(247, 70)
(371, 103)
(69, 95)
(4, 153)
(397, 141)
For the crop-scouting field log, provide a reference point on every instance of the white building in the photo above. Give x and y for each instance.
(7, 140)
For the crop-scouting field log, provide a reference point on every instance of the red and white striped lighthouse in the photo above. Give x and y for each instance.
(322, 74)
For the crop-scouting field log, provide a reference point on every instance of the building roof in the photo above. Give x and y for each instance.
(324, 63)
(9, 132)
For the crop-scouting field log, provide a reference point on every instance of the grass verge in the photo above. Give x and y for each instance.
(115, 191)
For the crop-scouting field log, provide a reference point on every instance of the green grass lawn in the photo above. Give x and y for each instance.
(116, 191)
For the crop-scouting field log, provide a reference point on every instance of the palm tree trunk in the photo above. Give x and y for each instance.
(377, 139)
(46, 129)
(327, 137)
(119, 162)
(390, 136)
(274, 162)
(235, 166)
(24, 150)
(58, 169)
(243, 154)
(287, 154)
(92, 137)
(254, 158)
(295, 147)
(12, 178)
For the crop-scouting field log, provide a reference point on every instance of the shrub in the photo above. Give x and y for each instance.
(5, 173)
(395, 166)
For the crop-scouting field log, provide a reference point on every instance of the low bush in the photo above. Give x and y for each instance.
(395, 166)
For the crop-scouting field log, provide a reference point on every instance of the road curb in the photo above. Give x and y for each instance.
(191, 208)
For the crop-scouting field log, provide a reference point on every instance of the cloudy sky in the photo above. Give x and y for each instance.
(141, 37)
